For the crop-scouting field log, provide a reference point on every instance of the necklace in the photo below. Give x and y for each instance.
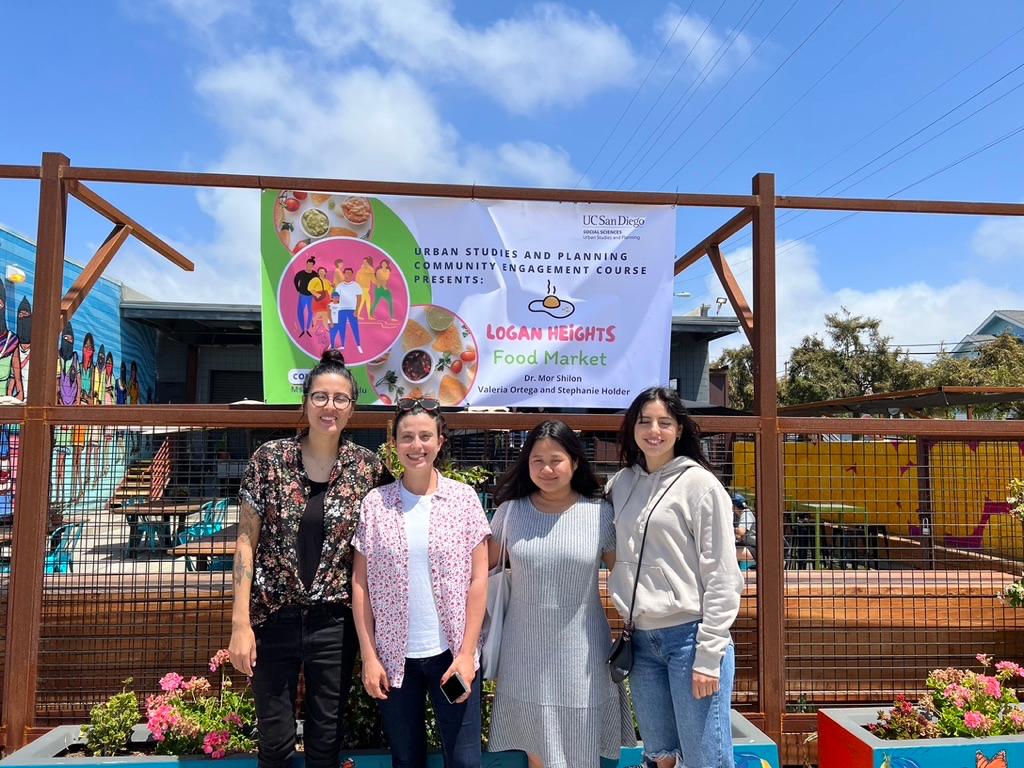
(323, 467)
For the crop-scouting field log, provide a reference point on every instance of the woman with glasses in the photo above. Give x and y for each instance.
(555, 699)
(419, 596)
(300, 500)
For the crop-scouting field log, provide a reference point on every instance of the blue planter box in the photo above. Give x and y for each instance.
(752, 748)
(845, 742)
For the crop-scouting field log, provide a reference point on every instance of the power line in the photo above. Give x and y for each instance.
(636, 93)
(748, 99)
(677, 109)
(663, 90)
(802, 96)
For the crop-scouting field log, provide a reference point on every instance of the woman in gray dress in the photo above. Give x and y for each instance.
(555, 699)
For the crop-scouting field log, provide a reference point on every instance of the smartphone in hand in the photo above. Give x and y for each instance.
(454, 688)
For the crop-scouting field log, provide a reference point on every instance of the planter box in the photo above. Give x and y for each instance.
(752, 748)
(845, 742)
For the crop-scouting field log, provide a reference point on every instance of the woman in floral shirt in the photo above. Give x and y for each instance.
(300, 500)
(420, 593)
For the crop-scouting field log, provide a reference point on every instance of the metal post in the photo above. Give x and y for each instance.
(770, 574)
(32, 494)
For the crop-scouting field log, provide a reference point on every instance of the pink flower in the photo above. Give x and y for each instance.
(1017, 718)
(975, 721)
(196, 685)
(1013, 669)
(957, 694)
(219, 659)
(233, 718)
(992, 686)
(984, 659)
(214, 743)
(171, 681)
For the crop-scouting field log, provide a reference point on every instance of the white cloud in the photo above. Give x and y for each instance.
(203, 15)
(912, 313)
(694, 33)
(284, 118)
(548, 56)
(1000, 240)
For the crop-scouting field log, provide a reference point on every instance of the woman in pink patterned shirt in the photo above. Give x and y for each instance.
(420, 593)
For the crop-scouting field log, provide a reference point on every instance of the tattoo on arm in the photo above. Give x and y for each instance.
(248, 535)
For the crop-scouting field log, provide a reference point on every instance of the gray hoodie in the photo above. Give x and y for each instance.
(689, 571)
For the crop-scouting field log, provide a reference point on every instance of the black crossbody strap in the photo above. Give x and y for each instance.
(643, 543)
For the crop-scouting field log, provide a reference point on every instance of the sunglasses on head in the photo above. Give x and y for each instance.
(428, 404)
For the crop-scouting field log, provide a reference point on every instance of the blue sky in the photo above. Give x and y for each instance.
(527, 93)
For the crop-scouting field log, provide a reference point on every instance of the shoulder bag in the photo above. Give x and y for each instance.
(499, 588)
(620, 660)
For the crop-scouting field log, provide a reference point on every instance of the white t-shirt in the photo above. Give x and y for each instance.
(348, 294)
(426, 637)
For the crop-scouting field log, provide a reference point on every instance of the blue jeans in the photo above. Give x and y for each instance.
(305, 312)
(338, 329)
(672, 721)
(404, 710)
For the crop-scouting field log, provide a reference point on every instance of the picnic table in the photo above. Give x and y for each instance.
(165, 510)
(221, 544)
(839, 519)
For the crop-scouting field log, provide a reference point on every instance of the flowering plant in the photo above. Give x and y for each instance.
(189, 718)
(959, 702)
(1013, 595)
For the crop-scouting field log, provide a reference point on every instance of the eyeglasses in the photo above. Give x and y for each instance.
(320, 399)
(428, 404)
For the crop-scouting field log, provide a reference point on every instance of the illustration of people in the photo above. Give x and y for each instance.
(19, 383)
(88, 370)
(6, 475)
(99, 376)
(345, 299)
(69, 392)
(365, 278)
(10, 363)
(321, 289)
(134, 393)
(305, 311)
(121, 386)
(382, 289)
(339, 271)
(109, 396)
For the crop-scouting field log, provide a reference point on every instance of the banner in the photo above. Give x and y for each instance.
(476, 303)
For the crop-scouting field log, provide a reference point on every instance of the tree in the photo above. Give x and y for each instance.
(740, 362)
(855, 360)
(999, 363)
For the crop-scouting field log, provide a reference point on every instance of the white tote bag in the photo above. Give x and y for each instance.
(499, 586)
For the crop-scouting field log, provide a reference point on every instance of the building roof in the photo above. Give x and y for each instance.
(891, 403)
(706, 327)
(198, 323)
(972, 341)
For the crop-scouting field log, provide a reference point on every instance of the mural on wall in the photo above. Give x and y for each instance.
(94, 344)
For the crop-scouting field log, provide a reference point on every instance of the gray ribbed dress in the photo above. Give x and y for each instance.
(555, 698)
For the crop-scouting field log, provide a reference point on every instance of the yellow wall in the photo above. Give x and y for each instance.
(882, 476)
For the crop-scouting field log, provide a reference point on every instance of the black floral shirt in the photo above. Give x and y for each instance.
(275, 485)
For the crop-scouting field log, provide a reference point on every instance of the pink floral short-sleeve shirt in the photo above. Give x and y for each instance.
(457, 525)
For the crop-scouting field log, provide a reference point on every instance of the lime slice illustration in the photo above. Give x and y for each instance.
(438, 319)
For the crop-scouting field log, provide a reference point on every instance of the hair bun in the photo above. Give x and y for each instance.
(332, 356)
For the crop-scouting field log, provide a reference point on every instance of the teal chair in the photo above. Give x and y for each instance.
(211, 521)
(60, 557)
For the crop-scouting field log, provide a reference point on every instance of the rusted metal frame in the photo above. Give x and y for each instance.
(733, 291)
(924, 496)
(272, 418)
(93, 270)
(719, 236)
(468, 191)
(19, 171)
(770, 576)
(900, 206)
(944, 429)
(114, 214)
(32, 492)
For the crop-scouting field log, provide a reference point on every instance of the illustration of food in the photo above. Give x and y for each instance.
(356, 209)
(415, 335)
(319, 198)
(452, 391)
(342, 232)
(552, 305)
(438, 319)
(315, 222)
(416, 365)
(551, 302)
(448, 340)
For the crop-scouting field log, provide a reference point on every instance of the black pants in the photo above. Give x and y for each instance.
(322, 641)
(404, 710)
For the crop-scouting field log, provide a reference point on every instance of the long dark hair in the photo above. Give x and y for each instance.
(331, 361)
(516, 482)
(442, 428)
(688, 443)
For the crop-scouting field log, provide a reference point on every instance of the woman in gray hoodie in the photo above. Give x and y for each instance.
(688, 591)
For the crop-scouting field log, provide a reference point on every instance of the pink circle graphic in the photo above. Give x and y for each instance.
(343, 293)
